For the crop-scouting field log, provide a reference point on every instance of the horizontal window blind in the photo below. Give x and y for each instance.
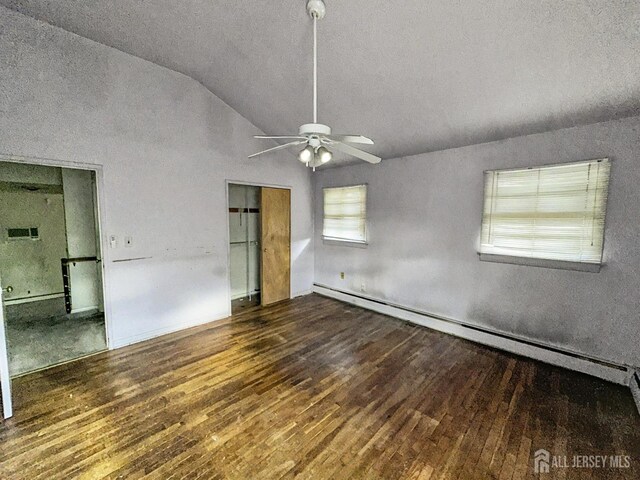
(553, 212)
(345, 213)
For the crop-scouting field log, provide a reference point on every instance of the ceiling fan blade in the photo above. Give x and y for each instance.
(355, 152)
(279, 136)
(350, 139)
(279, 147)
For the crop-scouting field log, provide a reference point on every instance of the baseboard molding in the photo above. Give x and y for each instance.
(634, 385)
(94, 308)
(39, 298)
(620, 374)
(151, 334)
(302, 293)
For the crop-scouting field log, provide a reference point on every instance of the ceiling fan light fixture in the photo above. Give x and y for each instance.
(306, 154)
(324, 155)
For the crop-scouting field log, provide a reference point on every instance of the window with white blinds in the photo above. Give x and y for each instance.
(552, 212)
(345, 213)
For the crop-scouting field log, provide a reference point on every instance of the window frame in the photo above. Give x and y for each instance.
(347, 241)
(547, 262)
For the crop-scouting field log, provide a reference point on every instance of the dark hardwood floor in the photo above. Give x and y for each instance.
(311, 388)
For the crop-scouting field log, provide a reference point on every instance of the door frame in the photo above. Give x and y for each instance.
(103, 244)
(5, 375)
(228, 232)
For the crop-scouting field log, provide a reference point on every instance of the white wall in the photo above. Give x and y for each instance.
(79, 212)
(166, 146)
(424, 217)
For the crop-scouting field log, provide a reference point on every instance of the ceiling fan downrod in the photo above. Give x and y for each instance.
(317, 11)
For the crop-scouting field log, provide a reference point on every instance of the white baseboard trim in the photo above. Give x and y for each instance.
(151, 334)
(619, 374)
(302, 293)
(85, 309)
(39, 298)
(634, 385)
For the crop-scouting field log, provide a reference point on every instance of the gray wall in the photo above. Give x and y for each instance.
(424, 226)
(80, 220)
(166, 146)
(32, 267)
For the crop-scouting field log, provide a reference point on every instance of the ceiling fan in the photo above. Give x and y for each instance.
(316, 136)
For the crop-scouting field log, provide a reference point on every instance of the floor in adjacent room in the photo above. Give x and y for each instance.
(38, 340)
(311, 388)
(239, 305)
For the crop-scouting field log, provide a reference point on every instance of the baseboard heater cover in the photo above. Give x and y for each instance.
(634, 384)
(612, 372)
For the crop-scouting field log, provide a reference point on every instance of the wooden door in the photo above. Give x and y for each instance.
(275, 209)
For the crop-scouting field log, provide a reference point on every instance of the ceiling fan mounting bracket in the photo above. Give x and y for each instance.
(316, 8)
(314, 128)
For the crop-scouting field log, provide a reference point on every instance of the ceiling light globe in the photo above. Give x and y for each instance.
(324, 155)
(306, 154)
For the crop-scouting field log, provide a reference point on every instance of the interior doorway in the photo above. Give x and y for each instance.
(260, 245)
(50, 265)
(244, 245)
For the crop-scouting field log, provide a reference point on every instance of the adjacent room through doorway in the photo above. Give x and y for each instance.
(50, 265)
(244, 245)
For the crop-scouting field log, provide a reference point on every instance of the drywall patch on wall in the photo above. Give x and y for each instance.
(166, 146)
(424, 218)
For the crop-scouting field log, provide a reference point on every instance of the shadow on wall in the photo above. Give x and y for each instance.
(298, 248)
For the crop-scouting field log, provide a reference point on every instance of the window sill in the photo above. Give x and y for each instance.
(344, 243)
(541, 262)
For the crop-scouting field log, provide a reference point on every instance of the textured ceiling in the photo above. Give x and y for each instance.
(414, 75)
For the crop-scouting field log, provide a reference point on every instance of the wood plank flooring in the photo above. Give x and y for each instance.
(311, 389)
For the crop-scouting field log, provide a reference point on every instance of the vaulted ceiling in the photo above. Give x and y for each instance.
(414, 75)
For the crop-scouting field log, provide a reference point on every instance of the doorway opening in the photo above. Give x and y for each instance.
(50, 265)
(259, 245)
(244, 245)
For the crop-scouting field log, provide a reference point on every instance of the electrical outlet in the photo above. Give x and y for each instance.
(342, 275)
(363, 287)
(113, 241)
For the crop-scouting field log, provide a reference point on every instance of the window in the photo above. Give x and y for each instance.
(22, 233)
(345, 213)
(552, 212)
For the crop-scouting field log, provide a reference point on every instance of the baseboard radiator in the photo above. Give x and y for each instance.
(634, 384)
(620, 374)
